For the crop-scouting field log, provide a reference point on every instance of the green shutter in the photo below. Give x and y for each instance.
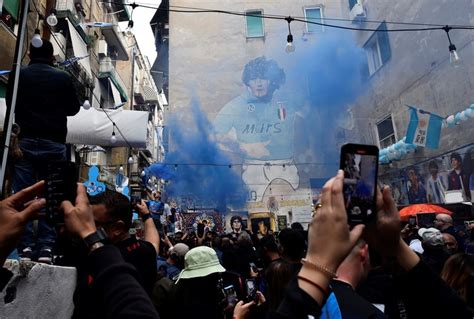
(314, 15)
(13, 7)
(254, 24)
(3, 90)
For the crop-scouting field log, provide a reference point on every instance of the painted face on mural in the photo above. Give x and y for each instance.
(236, 225)
(455, 164)
(259, 87)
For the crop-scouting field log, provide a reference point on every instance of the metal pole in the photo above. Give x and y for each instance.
(10, 113)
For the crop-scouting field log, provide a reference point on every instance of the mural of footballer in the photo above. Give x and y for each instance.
(260, 125)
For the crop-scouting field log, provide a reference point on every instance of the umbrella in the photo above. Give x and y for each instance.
(415, 209)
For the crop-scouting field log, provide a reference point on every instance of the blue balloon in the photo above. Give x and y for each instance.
(457, 117)
(472, 106)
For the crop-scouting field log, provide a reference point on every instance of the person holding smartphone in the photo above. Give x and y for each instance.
(329, 242)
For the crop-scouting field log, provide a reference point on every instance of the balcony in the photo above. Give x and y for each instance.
(107, 71)
(73, 12)
(114, 40)
(122, 9)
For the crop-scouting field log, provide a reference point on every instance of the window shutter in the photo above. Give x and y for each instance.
(313, 15)
(254, 24)
(384, 44)
(13, 8)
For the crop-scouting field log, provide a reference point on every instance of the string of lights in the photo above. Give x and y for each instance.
(427, 27)
(454, 57)
(101, 107)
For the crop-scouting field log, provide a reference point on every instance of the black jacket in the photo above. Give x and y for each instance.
(425, 295)
(46, 96)
(116, 281)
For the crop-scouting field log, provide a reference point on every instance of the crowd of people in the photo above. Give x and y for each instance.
(379, 270)
(328, 271)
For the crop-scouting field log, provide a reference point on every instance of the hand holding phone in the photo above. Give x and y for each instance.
(61, 185)
(360, 165)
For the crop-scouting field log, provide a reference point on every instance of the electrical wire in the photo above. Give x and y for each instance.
(86, 80)
(428, 27)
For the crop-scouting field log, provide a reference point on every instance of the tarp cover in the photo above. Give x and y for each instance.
(93, 127)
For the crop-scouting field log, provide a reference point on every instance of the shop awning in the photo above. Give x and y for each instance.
(93, 127)
(113, 39)
(115, 93)
(80, 48)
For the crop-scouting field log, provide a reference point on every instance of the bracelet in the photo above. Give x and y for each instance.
(320, 268)
(320, 288)
(145, 217)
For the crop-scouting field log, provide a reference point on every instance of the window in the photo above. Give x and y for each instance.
(352, 3)
(313, 15)
(386, 132)
(378, 49)
(255, 24)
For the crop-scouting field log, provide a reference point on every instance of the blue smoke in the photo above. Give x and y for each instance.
(197, 168)
(331, 75)
(326, 75)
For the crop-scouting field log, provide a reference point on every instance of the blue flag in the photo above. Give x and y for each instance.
(424, 128)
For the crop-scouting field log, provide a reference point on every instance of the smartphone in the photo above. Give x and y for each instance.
(200, 229)
(412, 221)
(251, 289)
(61, 184)
(360, 165)
(231, 295)
(135, 198)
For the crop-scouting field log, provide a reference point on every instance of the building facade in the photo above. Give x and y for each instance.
(413, 69)
(108, 70)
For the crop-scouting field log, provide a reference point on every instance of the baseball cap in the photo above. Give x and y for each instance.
(179, 249)
(200, 262)
(431, 236)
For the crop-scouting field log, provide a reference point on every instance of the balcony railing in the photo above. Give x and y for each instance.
(107, 69)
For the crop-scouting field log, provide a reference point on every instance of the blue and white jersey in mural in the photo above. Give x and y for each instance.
(249, 120)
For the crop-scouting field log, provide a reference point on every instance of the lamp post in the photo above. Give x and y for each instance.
(15, 76)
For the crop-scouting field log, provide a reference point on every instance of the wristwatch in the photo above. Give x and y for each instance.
(145, 217)
(98, 236)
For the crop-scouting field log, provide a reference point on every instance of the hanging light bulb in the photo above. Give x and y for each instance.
(52, 19)
(143, 173)
(130, 160)
(453, 56)
(290, 47)
(36, 40)
(121, 169)
(113, 138)
(86, 105)
(149, 181)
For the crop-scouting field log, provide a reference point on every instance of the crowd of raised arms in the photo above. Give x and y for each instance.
(328, 271)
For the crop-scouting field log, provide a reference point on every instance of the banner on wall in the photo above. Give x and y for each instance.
(445, 179)
(424, 128)
(213, 218)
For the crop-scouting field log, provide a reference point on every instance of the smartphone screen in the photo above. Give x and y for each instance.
(412, 221)
(360, 166)
(251, 289)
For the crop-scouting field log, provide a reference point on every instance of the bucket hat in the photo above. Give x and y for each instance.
(200, 262)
